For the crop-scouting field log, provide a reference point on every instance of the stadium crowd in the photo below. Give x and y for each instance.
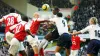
(60, 4)
(87, 9)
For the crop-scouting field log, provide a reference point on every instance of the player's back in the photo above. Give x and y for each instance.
(61, 24)
(19, 31)
(11, 19)
(94, 32)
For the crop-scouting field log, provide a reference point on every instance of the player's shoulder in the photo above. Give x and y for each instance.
(5, 16)
(78, 37)
(15, 14)
(10, 14)
(23, 22)
(90, 26)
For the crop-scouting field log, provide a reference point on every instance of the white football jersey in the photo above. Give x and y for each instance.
(94, 31)
(61, 24)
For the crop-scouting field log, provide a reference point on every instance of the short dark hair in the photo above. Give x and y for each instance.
(25, 18)
(12, 10)
(59, 14)
(56, 8)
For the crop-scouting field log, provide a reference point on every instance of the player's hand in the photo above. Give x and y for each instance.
(72, 33)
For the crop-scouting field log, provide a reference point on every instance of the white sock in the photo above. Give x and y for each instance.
(43, 42)
(57, 54)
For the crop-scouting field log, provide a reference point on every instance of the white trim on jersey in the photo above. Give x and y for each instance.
(91, 29)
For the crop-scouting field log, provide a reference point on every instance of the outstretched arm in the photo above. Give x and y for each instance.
(76, 33)
(1, 20)
(82, 31)
(12, 28)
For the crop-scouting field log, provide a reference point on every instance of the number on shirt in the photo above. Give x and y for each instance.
(97, 33)
(63, 22)
(10, 21)
(18, 28)
(73, 42)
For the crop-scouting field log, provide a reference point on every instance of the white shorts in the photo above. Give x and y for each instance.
(9, 37)
(33, 41)
(21, 47)
(74, 53)
(14, 46)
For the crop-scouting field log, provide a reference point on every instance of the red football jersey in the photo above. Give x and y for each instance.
(11, 19)
(19, 31)
(75, 43)
(34, 26)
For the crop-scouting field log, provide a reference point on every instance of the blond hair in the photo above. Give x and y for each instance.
(36, 13)
(94, 19)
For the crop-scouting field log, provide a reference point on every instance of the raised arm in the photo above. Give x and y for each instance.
(1, 20)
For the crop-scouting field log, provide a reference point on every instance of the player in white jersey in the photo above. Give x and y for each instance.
(11, 19)
(65, 38)
(94, 34)
(51, 35)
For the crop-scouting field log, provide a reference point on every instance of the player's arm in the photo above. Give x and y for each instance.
(12, 28)
(43, 20)
(82, 40)
(29, 33)
(1, 20)
(19, 18)
(27, 27)
(82, 31)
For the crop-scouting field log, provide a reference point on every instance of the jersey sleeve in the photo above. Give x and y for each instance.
(86, 29)
(12, 27)
(27, 26)
(82, 39)
(19, 18)
(42, 19)
(52, 19)
(2, 19)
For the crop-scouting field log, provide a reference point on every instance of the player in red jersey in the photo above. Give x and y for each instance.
(76, 40)
(20, 32)
(33, 29)
(11, 19)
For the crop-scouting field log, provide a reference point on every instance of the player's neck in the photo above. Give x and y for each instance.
(74, 35)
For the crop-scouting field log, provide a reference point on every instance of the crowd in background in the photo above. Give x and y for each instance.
(53, 3)
(87, 9)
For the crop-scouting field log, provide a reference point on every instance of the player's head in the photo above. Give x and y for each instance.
(93, 20)
(74, 31)
(55, 10)
(59, 14)
(12, 10)
(25, 18)
(36, 15)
